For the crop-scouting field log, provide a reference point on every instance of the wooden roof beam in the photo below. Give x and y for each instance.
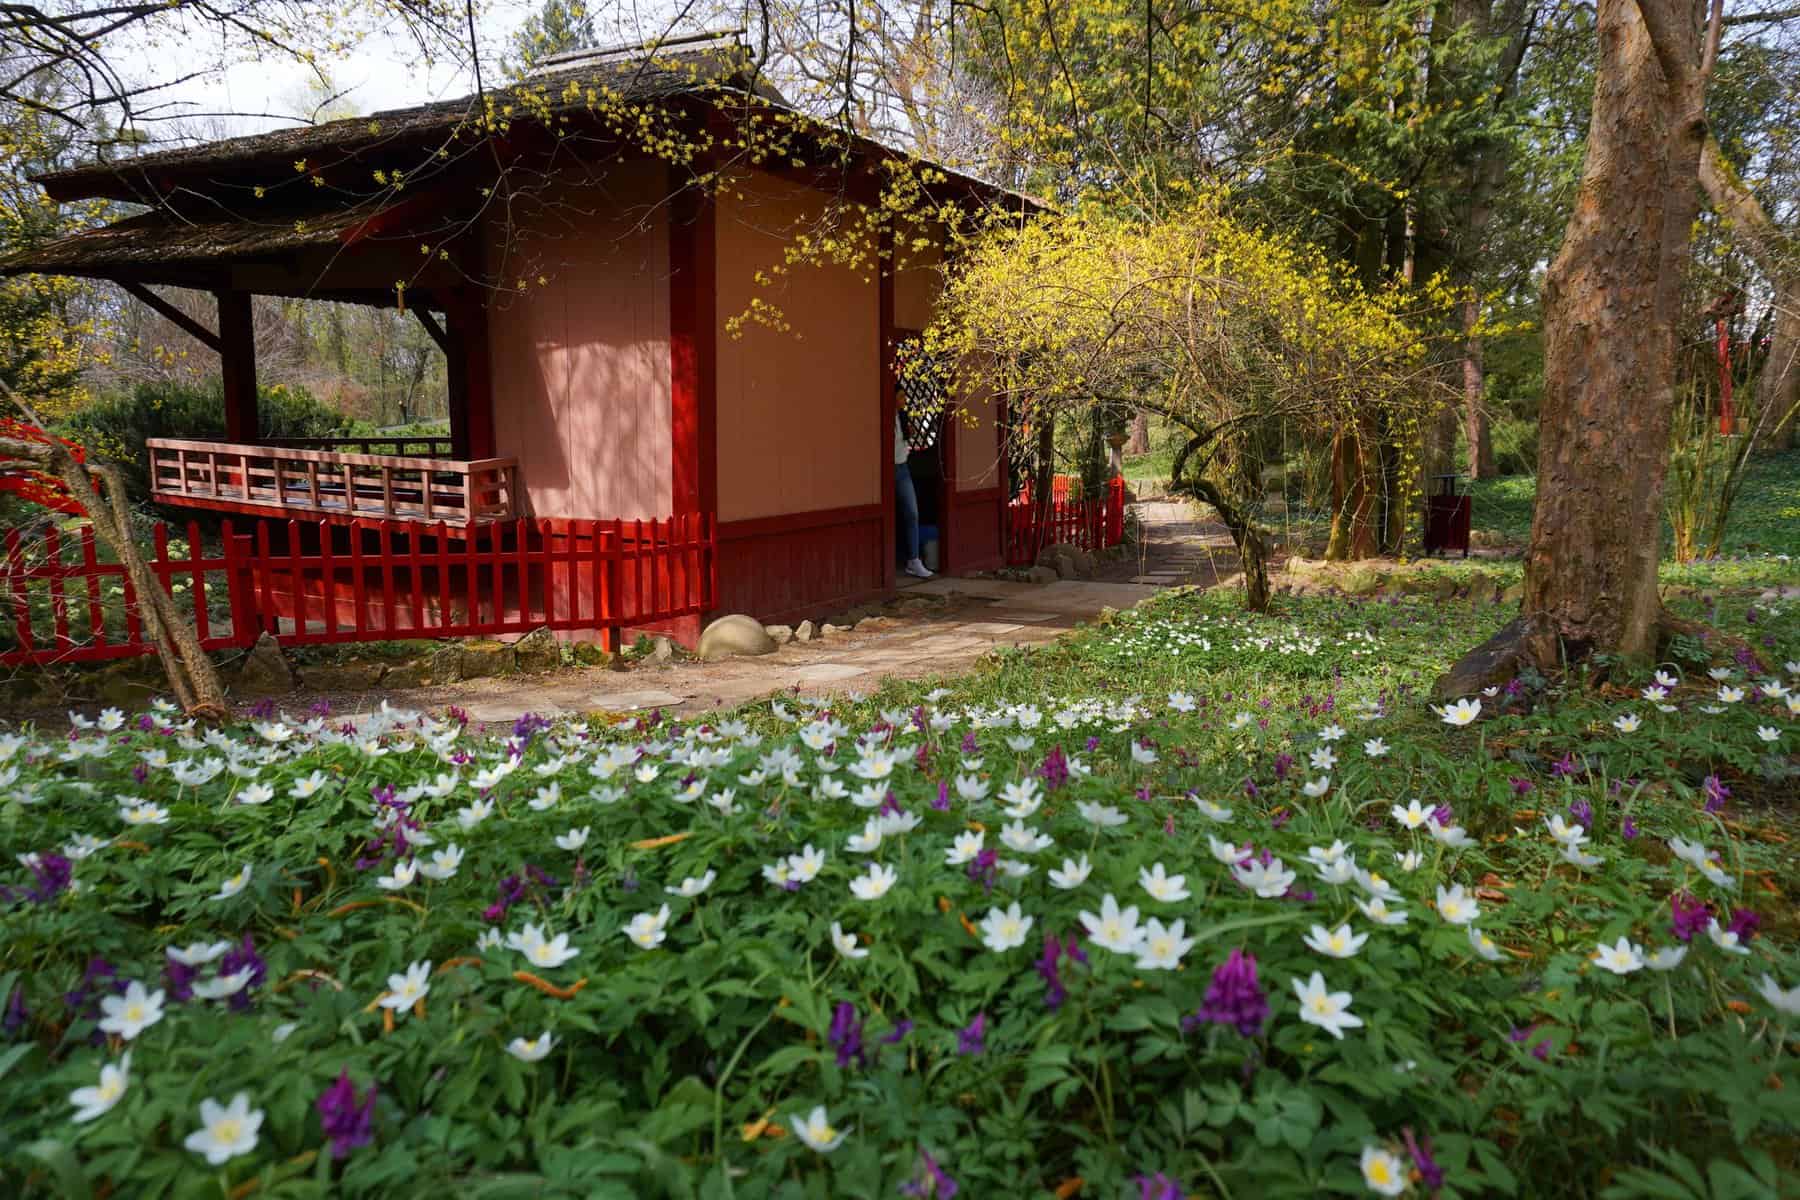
(173, 315)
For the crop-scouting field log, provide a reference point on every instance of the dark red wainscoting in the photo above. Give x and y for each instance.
(802, 564)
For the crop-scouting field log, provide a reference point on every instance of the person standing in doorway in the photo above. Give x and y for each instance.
(906, 497)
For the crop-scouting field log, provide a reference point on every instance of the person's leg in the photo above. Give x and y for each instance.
(907, 498)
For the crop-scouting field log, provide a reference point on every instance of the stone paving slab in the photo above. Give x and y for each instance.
(632, 701)
(1023, 615)
(992, 629)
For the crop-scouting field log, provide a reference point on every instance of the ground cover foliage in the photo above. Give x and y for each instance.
(639, 958)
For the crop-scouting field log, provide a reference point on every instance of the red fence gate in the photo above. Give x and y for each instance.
(312, 583)
(1090, 524)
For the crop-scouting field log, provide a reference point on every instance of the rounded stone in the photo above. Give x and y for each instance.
(732, 635)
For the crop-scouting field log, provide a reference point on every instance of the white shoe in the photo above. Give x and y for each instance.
(918, 570)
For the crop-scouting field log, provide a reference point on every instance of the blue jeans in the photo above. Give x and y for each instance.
(907, 498)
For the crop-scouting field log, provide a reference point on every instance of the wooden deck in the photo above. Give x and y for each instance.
(297, 481)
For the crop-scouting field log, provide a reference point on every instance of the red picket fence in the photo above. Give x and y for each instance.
(312, 583)
(1090, 524)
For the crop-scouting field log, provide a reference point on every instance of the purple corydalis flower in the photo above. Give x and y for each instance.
(1688, 915)
(342, 1119)
(1521, 786)
(16, 1015)
(53, 874)
(140, 773)
(179, 978)
(1158, 1187)
(969, 745)
(897, 1034)
(846, 1036)
(1628, 828)
(1234, 997)
(1284, 762)
(1054, 770)
(1430, 1174)
(1046, 966)
(972, 1038)
(984, 868)
(1716, 794)
(930, 1182)
(1281, 817)
(1582, 813)
(1744, 923)
(243, 956)
(1563, 766)
(942, 803)
(1093, 744)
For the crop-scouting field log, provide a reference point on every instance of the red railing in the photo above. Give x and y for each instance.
(312, 583)
(281, 481)
(1090, 524)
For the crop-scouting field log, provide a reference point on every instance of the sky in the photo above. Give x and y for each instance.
(236, 94)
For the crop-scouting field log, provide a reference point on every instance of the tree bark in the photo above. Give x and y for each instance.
(1612, 299)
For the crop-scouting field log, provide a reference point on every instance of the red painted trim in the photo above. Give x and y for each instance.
(756, 527)
(885, 339)
(693, 348)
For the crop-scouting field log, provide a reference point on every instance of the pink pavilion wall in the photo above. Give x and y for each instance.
(801, 483)
(581, 360)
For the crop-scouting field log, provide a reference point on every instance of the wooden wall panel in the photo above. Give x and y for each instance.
(794, 567)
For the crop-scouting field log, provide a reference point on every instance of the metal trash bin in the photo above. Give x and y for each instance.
(1447, 518)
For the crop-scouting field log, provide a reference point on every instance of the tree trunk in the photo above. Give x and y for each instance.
(1612, 298)
(1355, 466)
(1475, 418)
(1139, 442)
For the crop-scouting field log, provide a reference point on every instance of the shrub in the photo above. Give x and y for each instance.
(117, 426)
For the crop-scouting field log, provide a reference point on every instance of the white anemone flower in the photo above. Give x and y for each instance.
(407, 988)
(234, 885)
(1457, 906)
(98, 1099)
(226, 1131)
(1483, 945)
(1666, 959)
(1168, 888)
(531, 1049)
(647, 930)
(1335, 943)
(1326, 1009)
(1005, 929)
(132, 1013)
(1160, 947)
(1463, 712)
(693, 885)
(1725, 939)
(964, 848)
(845, 943)
(1113, 928)
(1621, 958)
(1383, 1171)
(1784, 1001)
(1268, 880)
(817, 1131)
(875, 884)
(1072, 874)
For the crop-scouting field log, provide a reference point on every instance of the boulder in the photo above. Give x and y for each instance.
(735, 636)
(1041, 575)
(408, 675)
(662, 650)
(264, 671)
(1494, 663)
(353, 676)
(1069, 560)
(446, 664)
(591, 654)
(875, 624)
(1482, 588)
(780, 634)
(828, 630)
(803, 632)
(537, 652)
(480, 660)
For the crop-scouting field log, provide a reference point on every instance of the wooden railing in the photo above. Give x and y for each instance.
(274, 480)
(421, 446)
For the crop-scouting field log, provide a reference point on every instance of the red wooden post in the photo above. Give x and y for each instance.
(693, 351)
(443, 574)
(59, 602)
(237, 362)
(358, 585)
(384, 548)
(415, 571)
(90, 568)
(197, 568)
